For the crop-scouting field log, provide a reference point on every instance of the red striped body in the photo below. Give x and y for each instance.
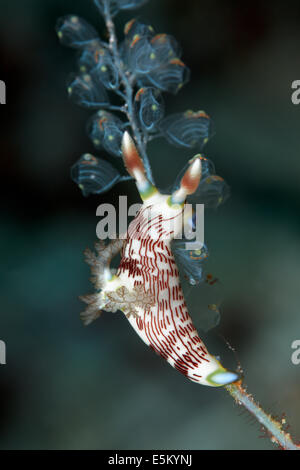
(167, 326)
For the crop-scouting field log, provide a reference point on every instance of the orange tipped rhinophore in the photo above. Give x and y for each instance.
(132, 160)
(135, 167)
(189, 182)
(191, 178)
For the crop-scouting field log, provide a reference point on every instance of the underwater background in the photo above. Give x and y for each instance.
(69, 387)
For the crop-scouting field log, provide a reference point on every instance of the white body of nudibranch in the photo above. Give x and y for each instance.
(146, 286)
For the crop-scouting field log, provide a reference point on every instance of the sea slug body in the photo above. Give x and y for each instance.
(146, 286)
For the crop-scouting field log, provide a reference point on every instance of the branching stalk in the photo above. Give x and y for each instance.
(274, 428)
(128, 90)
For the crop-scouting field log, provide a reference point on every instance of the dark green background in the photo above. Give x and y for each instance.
(70, 387)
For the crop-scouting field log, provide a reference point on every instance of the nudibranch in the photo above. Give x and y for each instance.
(146, 286)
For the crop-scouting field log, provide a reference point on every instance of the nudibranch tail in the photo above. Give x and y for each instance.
(222, 377)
